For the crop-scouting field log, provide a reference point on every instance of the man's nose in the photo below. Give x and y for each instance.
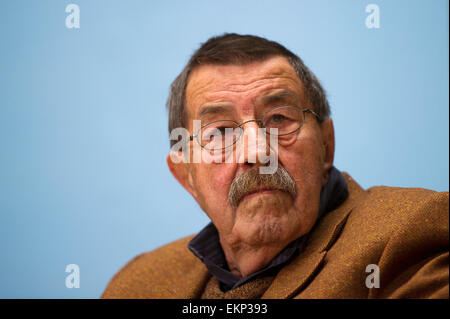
(254, 148)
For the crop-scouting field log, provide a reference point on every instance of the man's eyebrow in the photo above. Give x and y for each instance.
(279, 96)
(214, 109)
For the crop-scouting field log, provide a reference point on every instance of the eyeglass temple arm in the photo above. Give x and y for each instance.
(312, 112)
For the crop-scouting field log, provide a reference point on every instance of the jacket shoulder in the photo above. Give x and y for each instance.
(170, 271)
(405, 231)
(414, 214)
(397, 206)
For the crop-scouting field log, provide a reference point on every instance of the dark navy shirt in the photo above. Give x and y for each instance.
(206, 245)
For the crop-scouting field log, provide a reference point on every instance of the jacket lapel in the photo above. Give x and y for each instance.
(294, 277)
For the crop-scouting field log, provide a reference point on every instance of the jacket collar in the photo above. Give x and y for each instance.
(322, 237)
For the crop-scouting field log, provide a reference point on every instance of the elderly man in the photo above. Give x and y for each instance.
(302, 230)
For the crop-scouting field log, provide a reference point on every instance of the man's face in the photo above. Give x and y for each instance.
(242, 93)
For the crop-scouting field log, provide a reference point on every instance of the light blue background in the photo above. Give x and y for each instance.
(83, 126)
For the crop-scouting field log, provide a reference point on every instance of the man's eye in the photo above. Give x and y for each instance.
(217, 130)
(277, 119)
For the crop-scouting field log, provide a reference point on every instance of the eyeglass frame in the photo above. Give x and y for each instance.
(259, 121)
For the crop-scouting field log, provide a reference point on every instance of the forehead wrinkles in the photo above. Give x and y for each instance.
(227, 91)
(236, 78)
(263, 82)
(208, 81)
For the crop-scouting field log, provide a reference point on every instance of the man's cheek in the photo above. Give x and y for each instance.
(302, 163)
(212, 187)
(220, 177)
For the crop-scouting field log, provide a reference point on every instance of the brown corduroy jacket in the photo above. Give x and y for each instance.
(404, 231)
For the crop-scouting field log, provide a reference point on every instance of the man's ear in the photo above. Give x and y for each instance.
(328, 146)
(180, 170)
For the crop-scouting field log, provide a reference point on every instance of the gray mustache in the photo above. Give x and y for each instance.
(252, 181)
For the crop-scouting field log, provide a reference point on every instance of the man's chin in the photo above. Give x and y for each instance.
(263, 231)
(266, 202)
(267, 225)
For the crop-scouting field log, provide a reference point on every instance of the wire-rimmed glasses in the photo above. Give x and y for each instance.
(222, 134)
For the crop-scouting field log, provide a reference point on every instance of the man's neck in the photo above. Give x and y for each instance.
(244, 260)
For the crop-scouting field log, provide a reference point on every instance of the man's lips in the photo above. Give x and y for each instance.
(261, 191)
